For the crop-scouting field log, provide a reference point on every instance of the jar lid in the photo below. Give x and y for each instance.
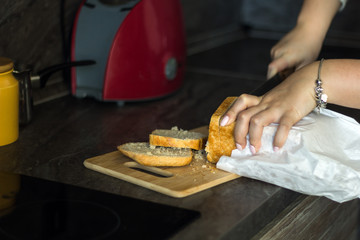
(6, 64)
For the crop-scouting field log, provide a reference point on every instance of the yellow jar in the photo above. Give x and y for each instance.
(9, 103)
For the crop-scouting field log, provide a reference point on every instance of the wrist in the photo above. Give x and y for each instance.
(320, 95)
(313, 32)
(303, 82)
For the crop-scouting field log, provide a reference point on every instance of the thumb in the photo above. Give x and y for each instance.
(277, 65)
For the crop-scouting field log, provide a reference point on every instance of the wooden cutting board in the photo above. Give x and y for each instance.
(172, 181)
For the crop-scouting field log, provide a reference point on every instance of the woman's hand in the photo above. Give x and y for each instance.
(297, 49)
(302, 45)
(286, 104)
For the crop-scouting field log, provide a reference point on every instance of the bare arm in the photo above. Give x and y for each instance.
(302, 45)
(341, 82)
(293, 99)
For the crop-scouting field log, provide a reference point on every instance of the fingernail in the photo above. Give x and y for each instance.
(224, 121)
(276, 149)
(238, 146)
(271, 72)
(252, 149)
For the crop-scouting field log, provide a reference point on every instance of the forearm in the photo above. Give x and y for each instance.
(316, 16)
(293, 99)
(302, 44)
(341, 82)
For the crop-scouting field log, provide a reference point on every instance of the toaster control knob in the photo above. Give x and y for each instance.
(171, 68)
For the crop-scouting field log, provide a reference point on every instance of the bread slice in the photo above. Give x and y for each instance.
(221, 139)
(148, 155)
(178, 138)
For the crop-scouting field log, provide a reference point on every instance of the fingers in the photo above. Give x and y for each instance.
(280, 64)
(276, 53)
(251, 118)
(243, 102)
(288, 53)
(242, 127)
(256, 126)
(282, 132)
(252, 121)
(253, 113)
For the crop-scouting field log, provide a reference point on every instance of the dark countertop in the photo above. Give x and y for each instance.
(67, 131)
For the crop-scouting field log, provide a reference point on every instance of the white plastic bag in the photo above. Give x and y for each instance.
(321, 157)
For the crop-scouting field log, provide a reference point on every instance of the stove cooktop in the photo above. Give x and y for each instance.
(49, 210)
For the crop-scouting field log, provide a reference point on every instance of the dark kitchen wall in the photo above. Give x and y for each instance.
(210, 23)
(30, 33)
(31, 30)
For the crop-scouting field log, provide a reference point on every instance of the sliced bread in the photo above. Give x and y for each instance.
(148, 155)
(220, 140)
(178, 138)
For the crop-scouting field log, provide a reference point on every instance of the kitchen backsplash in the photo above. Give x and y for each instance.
(32, 31)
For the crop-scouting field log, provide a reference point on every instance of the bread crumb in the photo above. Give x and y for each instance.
(200, 155)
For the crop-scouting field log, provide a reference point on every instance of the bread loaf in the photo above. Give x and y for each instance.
(178, 138)
(220, 140)
(148, 155)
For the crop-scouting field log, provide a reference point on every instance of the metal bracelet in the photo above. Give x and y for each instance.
(320, 97)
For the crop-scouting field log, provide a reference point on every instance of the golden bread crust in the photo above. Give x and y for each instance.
(148, 159)
(221, 139)
(196, 144)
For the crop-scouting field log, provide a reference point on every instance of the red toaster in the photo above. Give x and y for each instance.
(138, 47)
